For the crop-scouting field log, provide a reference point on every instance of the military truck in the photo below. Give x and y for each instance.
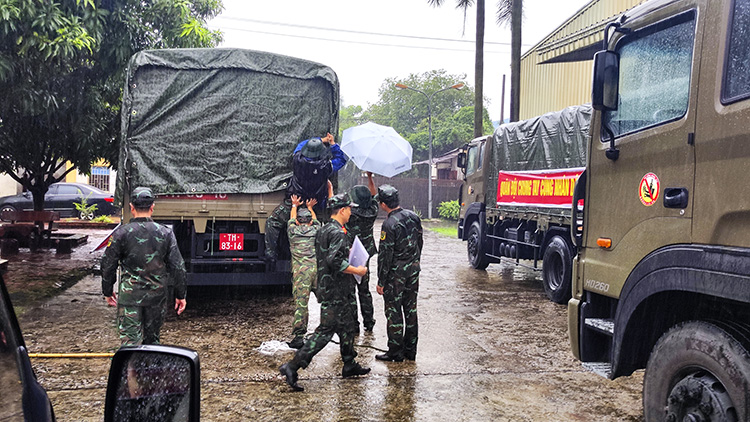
(516, 197)
(662, 274)
(212, 132)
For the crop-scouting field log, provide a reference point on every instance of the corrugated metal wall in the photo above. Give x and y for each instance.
(554, 86)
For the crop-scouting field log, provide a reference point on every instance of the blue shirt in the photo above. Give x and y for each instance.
(338, 159)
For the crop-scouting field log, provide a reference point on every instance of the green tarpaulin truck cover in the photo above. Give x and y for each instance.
(556, 140)
(220, 120)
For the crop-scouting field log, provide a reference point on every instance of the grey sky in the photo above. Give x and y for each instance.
(362, 61)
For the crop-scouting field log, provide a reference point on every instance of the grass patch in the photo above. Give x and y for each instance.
(451, 231)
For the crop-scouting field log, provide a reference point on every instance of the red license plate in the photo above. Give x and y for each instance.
(231, 241)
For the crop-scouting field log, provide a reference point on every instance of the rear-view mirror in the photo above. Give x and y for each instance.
(153, 383)
(461, 160)
(606, 80)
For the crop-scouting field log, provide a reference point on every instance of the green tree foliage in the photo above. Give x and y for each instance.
(349, 116)
(406, 111)
(61, 74)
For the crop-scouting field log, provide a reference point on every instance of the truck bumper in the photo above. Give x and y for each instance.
(573, 307)
(239, 279)
(228, 272)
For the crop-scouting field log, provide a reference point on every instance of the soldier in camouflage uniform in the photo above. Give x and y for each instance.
(149, 256)
(336, 295)
(360, 224)
(398, 275)
(302, 227)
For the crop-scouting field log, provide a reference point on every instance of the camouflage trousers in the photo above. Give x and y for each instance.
(275, 227)
(336, 317)
(400, 299)
(365, 299)
(139, 324)
(304, 276)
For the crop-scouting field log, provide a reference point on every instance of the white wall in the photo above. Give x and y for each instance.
(8, 186)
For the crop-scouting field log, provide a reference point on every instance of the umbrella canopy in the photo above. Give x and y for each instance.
(376, 148)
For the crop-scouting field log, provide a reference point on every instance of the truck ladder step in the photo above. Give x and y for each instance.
(605, 326)
(600, 368)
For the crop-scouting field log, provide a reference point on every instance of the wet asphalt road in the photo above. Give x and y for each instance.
(491, 347)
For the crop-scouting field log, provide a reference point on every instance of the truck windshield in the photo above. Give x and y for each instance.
(655, 66)
(473, 159)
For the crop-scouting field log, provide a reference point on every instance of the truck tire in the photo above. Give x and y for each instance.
(697, 371)
(475, 247)
(557, 272)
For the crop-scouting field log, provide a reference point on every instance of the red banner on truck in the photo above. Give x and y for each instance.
(544, 188)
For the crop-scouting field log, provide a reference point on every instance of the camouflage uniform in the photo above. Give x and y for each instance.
(335, 291)
(149, 255)
(398, 274)
(360, 224)
(304, 270)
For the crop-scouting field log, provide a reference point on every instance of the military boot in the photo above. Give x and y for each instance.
(297, 342)
(353, 369)
(289, 371)
(390, 357)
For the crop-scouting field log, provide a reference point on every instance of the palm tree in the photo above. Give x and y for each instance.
(508, 10)
(478, 59)
(512, 11)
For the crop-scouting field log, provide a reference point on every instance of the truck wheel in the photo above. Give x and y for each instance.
(475, 248)
(698, 372)
(557, 270)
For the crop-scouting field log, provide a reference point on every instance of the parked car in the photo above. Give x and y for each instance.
(61, 198)
(146, 383)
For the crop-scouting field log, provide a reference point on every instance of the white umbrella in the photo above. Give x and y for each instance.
(376, 148)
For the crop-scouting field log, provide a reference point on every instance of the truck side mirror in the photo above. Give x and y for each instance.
(461, 160)
(153, 382)
(606, 80)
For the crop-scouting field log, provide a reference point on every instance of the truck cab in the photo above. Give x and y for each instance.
(471, 193)
(661, 279)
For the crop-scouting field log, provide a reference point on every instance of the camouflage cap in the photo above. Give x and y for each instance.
(386, 193)
(142, 197)
(314, 148)
(340, 200)
(304, 215)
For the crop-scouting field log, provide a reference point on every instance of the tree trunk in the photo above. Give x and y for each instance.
(515, 60)
(38, 191)
(479, 72)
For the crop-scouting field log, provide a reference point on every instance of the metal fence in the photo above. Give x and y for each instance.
(413, 192)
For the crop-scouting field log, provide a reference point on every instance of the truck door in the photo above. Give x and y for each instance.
(643, 200)
(722, 139)
(475, 180)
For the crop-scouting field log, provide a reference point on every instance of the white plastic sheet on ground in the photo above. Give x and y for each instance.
(272, 346)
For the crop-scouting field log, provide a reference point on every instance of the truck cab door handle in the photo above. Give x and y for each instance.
(675, 198)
